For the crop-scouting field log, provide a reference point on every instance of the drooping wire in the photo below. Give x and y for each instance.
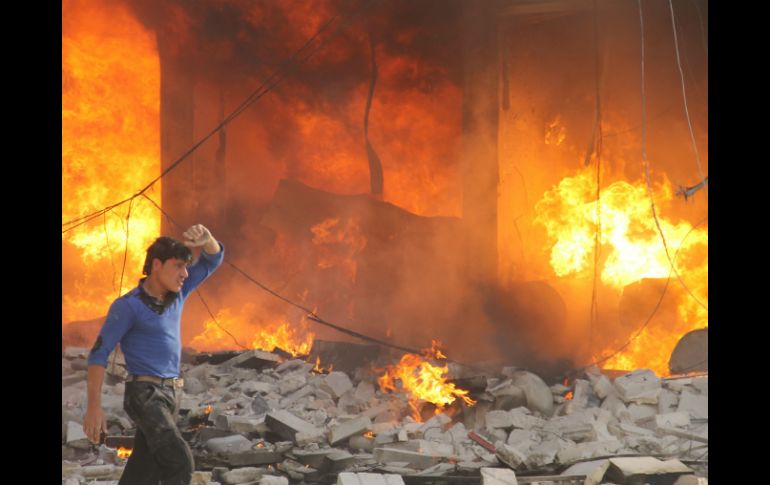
(684, 97)
(272, 81)
(646, 164)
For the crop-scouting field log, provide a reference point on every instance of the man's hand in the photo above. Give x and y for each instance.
(94, 424)
(198, 236)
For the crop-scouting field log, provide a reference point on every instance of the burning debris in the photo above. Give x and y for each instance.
(458, 241)
(283, 422)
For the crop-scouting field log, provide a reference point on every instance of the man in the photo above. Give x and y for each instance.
(146, 322)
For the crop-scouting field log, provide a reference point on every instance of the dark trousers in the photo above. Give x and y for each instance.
(160, 453)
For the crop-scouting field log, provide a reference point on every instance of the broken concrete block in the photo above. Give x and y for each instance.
(420, 460)
(207, 433)
(701, 384)
(273, 480)
(499, 419)
(361, 442)
(588, 450)
(347, 478)
(498, 476)
(192, 385)
(593, 470)
(495, 435)
(76, 437)
(668, 401)
(538, 394)
(257, 455)
(582, 393)
(336, 383)
(253, 359)
(545, 453)
(602, 386)
(630, 429)
(669, 420)
(578, 432)
(364, 391)
(338, 460)
(691, 480)
(312, 458)
(228, 444)
(291, 383)
(290, 365)
(241, 475)
(97, 471)
(292, 428)
(635, 468)
(614, 405)
(511, 456)
(696, 405)
(642, 413)
(522, 439)
(438, 421)
(522, 419)
(641, 386)
(239, 424)
(347, 429)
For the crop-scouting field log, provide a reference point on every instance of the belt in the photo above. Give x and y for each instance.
(177, 382)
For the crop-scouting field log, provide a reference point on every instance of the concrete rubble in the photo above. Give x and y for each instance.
(256, 417)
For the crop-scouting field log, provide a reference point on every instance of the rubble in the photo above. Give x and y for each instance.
(498, 476)
(368, 479)
(277, 420)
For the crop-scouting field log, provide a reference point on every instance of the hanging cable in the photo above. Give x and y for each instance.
(214, 319)
(295, 60)
(646, 164)
(684, 96)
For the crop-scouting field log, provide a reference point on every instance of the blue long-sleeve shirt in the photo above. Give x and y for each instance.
(150, 341)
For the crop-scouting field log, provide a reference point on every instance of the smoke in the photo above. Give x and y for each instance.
(410, 282)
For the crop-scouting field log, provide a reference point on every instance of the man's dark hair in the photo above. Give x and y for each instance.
(165, 248)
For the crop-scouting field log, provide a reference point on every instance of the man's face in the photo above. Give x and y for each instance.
(171, 273)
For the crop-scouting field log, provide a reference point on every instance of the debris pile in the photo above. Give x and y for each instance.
(259, 417)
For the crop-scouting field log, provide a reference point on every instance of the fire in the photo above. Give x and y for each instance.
(423, 381)
(124, 453)
(110, 149)
(569, 395)
(208, 409)
(321, 370)
(249, 328)
(631, 250)
(338, 244)
(369, 434)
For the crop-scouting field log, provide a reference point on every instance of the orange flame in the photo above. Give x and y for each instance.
(631, 250)
(338, 244)
(208, 409)
(268, 335)
(321, 370)
(110, 149)
(423, 381)
(569, 395)
(369, 434)
(124, 453)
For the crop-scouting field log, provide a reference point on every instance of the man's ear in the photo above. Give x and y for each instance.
(156, 264)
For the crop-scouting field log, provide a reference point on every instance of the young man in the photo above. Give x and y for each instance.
(146, 322)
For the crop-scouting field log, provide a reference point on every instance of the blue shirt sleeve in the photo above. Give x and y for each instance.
(201, 269)
(119, 320)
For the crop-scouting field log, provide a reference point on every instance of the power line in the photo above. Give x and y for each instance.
(272, 81)
(684, 95)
